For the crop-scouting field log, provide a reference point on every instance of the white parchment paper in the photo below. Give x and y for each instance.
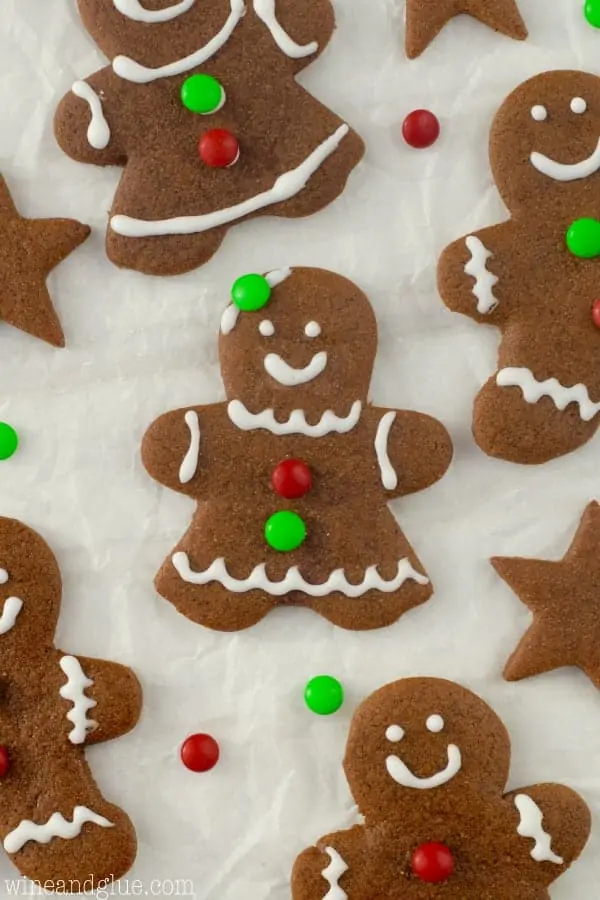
(139, 346)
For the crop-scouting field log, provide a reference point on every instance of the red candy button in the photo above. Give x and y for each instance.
(4, 762)
(596, 313)
(432, 863)
(219, 148)
(200, 753)
(421, 129)
(291, 479)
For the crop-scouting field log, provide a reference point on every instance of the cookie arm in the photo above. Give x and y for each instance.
(327, 869)
(85, 123)
(554, 825)
(413, 450)
(468, 275)
(174, 449)
(117, 695)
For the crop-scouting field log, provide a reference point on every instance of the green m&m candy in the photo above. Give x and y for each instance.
(324, 695)
(251, 292)
(9, 441)
(592, 12)
(202, 94)
(285, 531)
(583, 238)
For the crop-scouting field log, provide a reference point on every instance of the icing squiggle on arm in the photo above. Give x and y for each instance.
(189, 465)
(132, 9)
(265, 10)
(485, 281)
(12, 608)
(74, 690)
(389, 479)
(98, 133)
(332, 874)
(533, 391)
(531, 826)
(56, 826)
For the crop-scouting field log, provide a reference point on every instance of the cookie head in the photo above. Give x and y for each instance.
(545, 144)
(308, 343)
(423, 740)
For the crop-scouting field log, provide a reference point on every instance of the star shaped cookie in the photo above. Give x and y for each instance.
(29, 250)
(426, 18)
(564, 598)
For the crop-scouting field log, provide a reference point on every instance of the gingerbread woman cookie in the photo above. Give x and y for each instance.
(427, 762)
(536, 276)
(293, 474)
(201, 107)
(426, 18)
(55, 824)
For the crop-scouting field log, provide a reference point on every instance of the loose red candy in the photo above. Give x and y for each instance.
(200, 753)
(4, 762)
(291, 479)
(432, 863)
(596, 313)
(219, 148)
(421, 129)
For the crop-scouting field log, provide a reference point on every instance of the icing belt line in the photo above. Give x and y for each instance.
(533, 391)
(56, 826)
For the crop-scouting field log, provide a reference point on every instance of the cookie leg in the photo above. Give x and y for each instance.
(374, 609)
(167, 255)
(506, 426)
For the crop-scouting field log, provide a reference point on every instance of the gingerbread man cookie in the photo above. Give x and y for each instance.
(427, 762)
(55, 824)
(201, 107)
(293, 474)
(426, 18)
(536, 276)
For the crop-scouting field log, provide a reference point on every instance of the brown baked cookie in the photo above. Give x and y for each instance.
(427, 762)
(54, 823)
(426, 18)
(29, 250)
(564, 598)
(530, 276)
(294, 473)
(201, 107)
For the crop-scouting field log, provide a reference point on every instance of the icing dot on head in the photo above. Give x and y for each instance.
(312, 330)
(266, 328)
(435, 724)
(394, 734)
(578, 105)
(539, 113)
(3, 576)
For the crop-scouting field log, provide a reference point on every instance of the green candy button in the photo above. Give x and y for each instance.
(592, 12)
(285, 531)
(202, 94)
(324, 695)
(583, 238)
(9, 441)
(251, 292)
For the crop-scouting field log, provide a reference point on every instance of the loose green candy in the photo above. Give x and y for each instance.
(202, 94)
(9, 441)
(592, 12)
(583, 238)
(324, 695)
(251, 292)
(285, 531)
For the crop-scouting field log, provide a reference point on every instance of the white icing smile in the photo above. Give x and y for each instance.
(403, 776)
(289, 376)
(567, 171)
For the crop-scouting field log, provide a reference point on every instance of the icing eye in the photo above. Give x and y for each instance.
(394, 734)
(435, 724)
(312, 330)
(3, 576)
(539, 113)
(578, 105)
(266, 328)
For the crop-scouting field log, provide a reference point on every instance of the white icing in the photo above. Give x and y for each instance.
(533, 391)
(289, 376)
(12, 608)
(332, 874)
(539, 113)
(74, 691)
(98, 133)
(578, 106)
(402, 774)
(567, 171)
(229, 318)
(485, 281)
(133, 9)
(3, 576)
(394, 734)
(278, 276)
(531, 826)
(312, 330)
(131, 70)
(266, 328)
(435, 724)
(286, 186)
(265, 10)
(296, 424)
(294, 581)
(56, 826)
(389, 479)
(189, 465)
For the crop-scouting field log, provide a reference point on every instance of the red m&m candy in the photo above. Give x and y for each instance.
(421, 129)
(219, 148)
(291, 479)
(4, 762)
(199, 753)
(432, 863)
